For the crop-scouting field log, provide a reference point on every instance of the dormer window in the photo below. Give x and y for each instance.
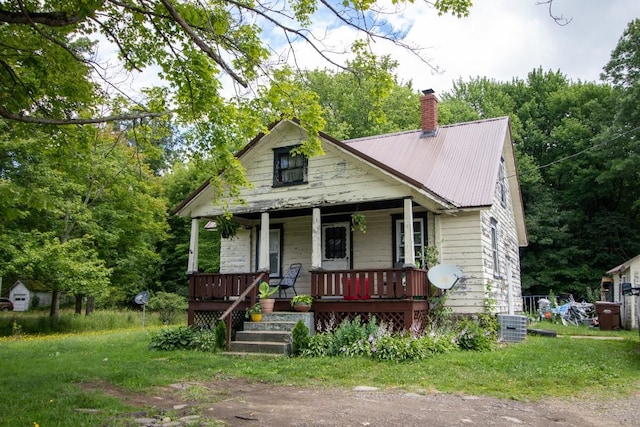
(288, 169)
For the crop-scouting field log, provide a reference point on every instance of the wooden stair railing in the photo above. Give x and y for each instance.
(226, 316)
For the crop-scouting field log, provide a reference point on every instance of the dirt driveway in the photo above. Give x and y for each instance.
(240, 403)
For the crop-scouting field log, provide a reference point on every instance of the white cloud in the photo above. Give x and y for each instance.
(501, 40)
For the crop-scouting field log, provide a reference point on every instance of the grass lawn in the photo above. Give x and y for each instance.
(42, 376)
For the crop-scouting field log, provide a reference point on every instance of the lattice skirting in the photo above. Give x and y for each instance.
(395, 319)
(208, 319)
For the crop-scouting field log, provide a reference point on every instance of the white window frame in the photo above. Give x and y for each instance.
(495, 248)
(419, 237)
(275, 251)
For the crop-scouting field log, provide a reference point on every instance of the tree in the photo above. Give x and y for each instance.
(576, 171)
(86, 196)
(50, 73)
(366, 100)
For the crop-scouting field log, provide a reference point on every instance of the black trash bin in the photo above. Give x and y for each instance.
(608, 315)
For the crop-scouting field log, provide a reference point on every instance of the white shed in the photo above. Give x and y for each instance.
(24, 298)
(20, 296)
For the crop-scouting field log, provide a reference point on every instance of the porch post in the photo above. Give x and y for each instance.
(193, 246)
(264, 243)
(316, 240)
(409, 250)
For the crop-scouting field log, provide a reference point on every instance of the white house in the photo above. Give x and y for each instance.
(453, 188)
(626, 290)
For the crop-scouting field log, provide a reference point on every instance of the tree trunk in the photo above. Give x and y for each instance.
(78, 304)
(89, 307)
(55, 304)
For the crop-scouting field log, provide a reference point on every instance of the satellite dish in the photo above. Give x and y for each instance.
(444, 276)
(142, 298)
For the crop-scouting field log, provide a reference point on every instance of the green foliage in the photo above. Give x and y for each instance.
(227, 225)
(39, 323)
(301, 299)
(167, 305)
(577, 166)
(254, 309)
(300, 338)
(265, 291)
(352, 338)
(471, 336)
(359, 221)
(168, 339)
(221, 334)
(529, 371)
(206, 340)
(184, 338)
(81, 212)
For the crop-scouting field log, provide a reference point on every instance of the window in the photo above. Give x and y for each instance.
(494, 248)
(335, 243)
(275, 250)
(502, 184)
(288, 169)
(419, 239)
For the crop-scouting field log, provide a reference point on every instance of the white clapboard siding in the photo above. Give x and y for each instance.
(461, 245)
(333, 178)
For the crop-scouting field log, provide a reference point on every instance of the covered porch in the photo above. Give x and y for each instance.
(396, 296)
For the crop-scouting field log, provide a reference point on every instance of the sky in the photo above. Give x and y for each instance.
(502, 39)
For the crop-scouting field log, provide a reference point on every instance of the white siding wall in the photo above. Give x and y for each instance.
(460, 244)
(332, 178)
(234, 253)
(508, 253)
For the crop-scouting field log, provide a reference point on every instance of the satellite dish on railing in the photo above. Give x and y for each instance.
(142, 299)
(444, 276)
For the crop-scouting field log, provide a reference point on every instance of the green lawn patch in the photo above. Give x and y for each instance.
(43, 377)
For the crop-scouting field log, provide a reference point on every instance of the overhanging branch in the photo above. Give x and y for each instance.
(51, 19)
(4, 113)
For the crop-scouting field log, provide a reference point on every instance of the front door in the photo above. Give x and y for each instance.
(336, 246)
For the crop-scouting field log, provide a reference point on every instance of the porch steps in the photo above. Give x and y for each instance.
(272, 335)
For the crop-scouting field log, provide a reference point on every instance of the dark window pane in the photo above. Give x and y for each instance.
(336, 242)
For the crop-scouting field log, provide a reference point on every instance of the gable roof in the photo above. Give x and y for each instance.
(624, 265)
(457, 166)
(459, 163)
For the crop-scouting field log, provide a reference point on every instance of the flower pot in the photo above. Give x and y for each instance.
(302, 307)
(267, 305)
(256, 317)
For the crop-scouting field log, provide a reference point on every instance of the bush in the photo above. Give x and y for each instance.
(184, 338)
(167, 305)
(300, 338)
(173, 339)
(221, 335)
(471, 336)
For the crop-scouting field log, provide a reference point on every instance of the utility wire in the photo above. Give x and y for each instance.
(579, 153)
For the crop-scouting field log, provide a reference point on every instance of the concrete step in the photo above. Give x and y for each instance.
(266, 325)
(282, 321)
(264, 336)
(260, 347)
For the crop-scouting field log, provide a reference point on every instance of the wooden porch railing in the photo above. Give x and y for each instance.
(211, 286)
(250, 290)
(371, 283)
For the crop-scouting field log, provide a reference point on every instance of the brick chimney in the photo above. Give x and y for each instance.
(429, 113)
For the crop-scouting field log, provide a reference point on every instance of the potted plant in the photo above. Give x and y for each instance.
(264, 293)
(227, 225)
(255, 312)
(301, 302)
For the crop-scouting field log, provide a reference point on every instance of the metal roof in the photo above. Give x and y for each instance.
(460, 163)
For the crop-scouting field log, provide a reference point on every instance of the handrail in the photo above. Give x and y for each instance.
(225, 315)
